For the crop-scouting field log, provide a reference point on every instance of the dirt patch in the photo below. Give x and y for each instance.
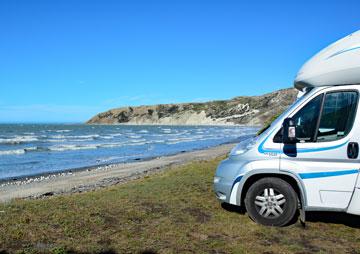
(147, 252)
(155, 208)
(109, 221)
(353, 251)
(216, 237)
(136, 220)
(198, 236)
(307, 245)
(217, 252)
(104, 242)
(198, 213)
(267, 239)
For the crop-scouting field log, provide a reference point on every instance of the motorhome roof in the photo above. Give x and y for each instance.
(337, 64)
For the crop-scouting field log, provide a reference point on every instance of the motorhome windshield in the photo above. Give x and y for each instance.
(297, 102)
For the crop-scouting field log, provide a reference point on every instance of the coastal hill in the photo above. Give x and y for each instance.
(244, 110)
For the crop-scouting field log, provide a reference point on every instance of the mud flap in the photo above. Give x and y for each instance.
(302, 216)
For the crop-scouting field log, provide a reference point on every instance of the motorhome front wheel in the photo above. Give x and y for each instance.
(271, 201)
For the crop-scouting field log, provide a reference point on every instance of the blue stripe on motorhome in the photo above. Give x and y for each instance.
(328, 174)
(262, 149)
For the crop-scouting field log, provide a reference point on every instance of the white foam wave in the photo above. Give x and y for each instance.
(111, 145)
(186, 139)
(116, 134)
(61, 131)
(62, 148)
(134, 136)
(79, 137)
(86, 136)
(18, 140)
(166, 130)
(56, 140)
(58, 136)
(12, 152)
(111, 158)
(137, 144)
(138, 141)
(111, 136)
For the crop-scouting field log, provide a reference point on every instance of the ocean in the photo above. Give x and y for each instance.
(33, 149)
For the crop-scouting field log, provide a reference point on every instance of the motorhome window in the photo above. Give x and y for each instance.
(306, 120)
(337, 116)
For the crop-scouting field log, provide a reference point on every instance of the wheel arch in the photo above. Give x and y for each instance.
(289, 178)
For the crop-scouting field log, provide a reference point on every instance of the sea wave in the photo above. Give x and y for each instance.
(18, 140)
(111, 136)
(61, 148)
(58, 136)
(69, 147)
(107, 137)
(166, 130)
(134, 136)
(93, 136)
(61, 131)
(78, 137)
(56, 140)
(111, 145)
(24, 150)
(12, 152)
(173, 141)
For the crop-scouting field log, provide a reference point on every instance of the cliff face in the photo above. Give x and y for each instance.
(245, 110)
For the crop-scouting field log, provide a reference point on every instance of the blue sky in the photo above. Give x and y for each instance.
(64, 61)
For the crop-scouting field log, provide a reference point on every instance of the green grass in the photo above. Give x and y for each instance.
(170, 212)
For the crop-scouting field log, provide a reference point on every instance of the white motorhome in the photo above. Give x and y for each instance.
(308, 159)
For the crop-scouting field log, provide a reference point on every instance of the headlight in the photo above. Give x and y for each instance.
(217, 179)
(243, 147)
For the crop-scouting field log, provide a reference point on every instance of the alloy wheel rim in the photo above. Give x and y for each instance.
(270, 203)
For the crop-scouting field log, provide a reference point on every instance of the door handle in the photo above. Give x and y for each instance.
(353, 150)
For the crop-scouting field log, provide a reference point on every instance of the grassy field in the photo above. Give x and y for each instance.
(170, 212)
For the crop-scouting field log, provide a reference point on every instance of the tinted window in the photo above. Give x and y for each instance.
(306, 120)
(337, 116)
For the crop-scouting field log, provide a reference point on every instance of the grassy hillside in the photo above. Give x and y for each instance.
(171, 212)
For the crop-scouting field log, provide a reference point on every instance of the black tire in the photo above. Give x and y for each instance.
(266, 209)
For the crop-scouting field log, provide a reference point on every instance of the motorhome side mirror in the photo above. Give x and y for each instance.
(289, 131)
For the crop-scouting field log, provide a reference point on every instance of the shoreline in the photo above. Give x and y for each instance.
(23, 178)
(99, 176)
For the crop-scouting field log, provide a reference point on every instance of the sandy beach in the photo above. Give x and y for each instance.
(93, 178)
